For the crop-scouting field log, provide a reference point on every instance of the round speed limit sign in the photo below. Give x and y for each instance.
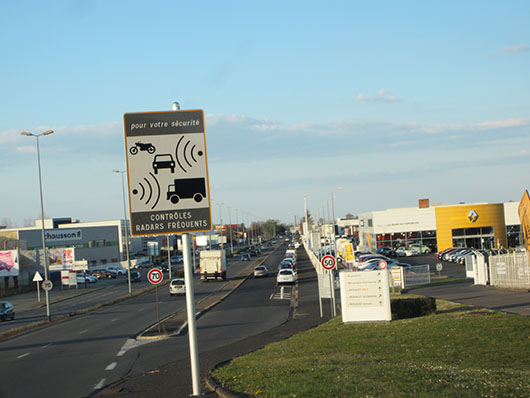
(328, 262)
(155, 276)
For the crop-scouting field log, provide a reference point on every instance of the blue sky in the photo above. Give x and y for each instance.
(390, 101)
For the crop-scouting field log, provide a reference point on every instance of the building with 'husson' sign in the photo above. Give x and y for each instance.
(433, 228)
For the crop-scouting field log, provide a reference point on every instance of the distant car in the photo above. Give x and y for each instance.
(7, 311)
(177, 286)
(145, 264)
(260, 270)
(136, 276)
(245, 257)
(422, 249)
(82, 278)
(406, 251)
(104, 273)
(286, 277)
(253, 252)
(119, 270)
(386, 251)
(177, 259)
(163, 162)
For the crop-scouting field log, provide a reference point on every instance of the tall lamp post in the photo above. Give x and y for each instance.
(126, 230)
(47, 132)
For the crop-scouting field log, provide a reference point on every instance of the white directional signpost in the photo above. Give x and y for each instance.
(155, 276)
(169, 190)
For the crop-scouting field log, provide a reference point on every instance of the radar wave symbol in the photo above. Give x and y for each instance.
(187, 154)
(150, 191)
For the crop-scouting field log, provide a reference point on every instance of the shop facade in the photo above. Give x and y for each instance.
(434, 228)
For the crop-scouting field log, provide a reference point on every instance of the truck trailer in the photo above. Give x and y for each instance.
(212, 264)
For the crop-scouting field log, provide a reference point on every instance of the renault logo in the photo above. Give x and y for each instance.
(473, 216)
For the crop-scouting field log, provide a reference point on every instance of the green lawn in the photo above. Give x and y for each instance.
(459, 352)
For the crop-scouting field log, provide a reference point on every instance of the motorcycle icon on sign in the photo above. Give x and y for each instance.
(150, 148)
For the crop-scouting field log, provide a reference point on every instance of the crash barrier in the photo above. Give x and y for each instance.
(417, 275)
(510, 271)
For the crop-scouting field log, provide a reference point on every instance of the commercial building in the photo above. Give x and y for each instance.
(434, 228)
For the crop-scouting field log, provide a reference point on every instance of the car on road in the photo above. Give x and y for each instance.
(104, 273)
(7, 311)
(286, 277)
(83, 277)
(261, 270)
(164, 161)
(177, 286)
(245, 257)
(136, 276)
(177, 259)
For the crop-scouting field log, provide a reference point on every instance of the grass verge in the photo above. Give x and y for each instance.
(461, 351)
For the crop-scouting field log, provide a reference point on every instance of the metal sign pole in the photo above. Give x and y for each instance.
(157, 310)
(190, 306)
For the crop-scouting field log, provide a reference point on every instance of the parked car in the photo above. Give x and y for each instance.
(144, 264)
(83, 277)
(136, 276)
(104, 273)
(406, 251)
(119, 270)
(245, 257)
(386, 251)
(286, 277)
(177, 259)
(421, 249)
(260, 270)
(7, 311)
(177, 286)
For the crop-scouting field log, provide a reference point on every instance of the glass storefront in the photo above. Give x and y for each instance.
(477, 238)
(425, 240)
(514, 235)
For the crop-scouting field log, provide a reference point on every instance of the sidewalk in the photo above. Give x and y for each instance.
(465, 292)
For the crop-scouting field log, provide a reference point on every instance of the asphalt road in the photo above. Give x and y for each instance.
(76, 357)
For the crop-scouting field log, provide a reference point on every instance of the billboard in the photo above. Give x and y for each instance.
(61, 258)
(9, 264)
(61, 235)
(524, 217)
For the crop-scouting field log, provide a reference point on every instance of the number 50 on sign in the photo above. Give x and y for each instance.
(328, 262)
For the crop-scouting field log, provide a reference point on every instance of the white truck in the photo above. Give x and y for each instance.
(212, 264)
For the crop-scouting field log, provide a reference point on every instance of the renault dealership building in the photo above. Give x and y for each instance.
(478, 225)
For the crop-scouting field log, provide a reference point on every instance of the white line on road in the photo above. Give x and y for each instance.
(100, 385)
(83, 331)
(121, 353)
(111, 366)
(47, 345)
(115, 319)
(23, 355)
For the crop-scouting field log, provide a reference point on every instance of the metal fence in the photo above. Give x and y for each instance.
(510, 270)
(417, 275)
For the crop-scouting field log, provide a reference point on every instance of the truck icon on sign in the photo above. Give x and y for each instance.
(187, 188)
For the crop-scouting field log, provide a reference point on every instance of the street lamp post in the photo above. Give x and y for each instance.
(230, 226)
(126, 230)
(47, 132)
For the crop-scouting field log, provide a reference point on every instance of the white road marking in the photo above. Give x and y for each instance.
(23, 355)
(100, 385)
(115, 319)
(47, 345)
(271, 296)
(83, 331)
(121, 353)
(111, 366)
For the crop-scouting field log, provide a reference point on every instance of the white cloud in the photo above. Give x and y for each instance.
(513, 49)
(381, 96)
(27, 149)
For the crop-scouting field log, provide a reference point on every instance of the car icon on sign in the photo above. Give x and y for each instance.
(163, 162)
